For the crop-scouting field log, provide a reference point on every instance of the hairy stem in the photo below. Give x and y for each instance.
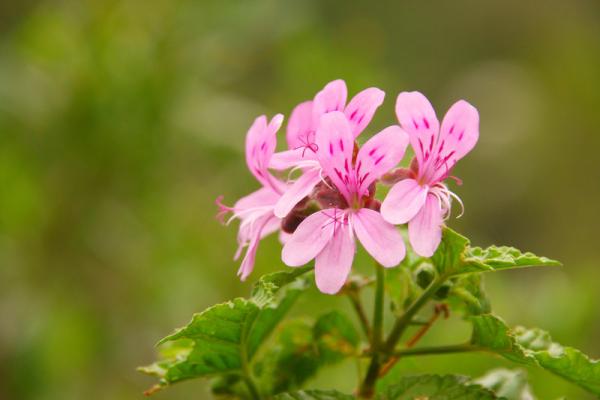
(405, 319)
(367, 389)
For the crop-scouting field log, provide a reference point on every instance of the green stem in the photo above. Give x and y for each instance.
(378, 312)
(405, 319)
(367, 389)
(360, 312)
(422, 351)
(251, 387)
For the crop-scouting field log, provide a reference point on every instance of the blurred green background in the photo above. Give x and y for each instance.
(121, 121)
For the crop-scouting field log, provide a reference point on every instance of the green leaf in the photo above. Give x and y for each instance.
(291, 360)
(467, 293)
(455, 256)
(336, 337)
(535, 347)
(510, 384)
(314, 395)
(224, 338)
(498, 258)
(436, 387)
(401, 287)
(301, 348)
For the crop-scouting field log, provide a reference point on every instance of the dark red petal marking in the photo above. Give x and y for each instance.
(415, 124)
(426, 122)
(330, 148)
(341, 145)
(379, 159)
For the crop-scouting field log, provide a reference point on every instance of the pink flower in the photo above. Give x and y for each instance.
(328, 235)
(300, 135)
(423, 200)
(255, 211)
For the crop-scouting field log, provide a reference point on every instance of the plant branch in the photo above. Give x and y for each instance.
(422, 351)
(405, 319)
(438, 309)
(367, 388)
(354, 298)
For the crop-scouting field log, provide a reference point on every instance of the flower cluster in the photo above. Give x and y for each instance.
(330, 201)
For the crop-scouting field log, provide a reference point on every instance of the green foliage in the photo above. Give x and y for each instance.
(224, 338)
(314, 395)
(223, 341)
(302, 348)
(468, 295)
(454, 256)
(509, 384)
(535, 347)
(336, 337)
(291, 360)
(436, 387)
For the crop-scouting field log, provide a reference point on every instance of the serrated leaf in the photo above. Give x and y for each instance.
(504, 257)
(510, 384)
(314, 395)
(535, 347)
(221, 339)
(455, 256)
(335, 336)
(436, 387)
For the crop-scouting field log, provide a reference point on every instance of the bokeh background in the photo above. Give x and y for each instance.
(121, 121)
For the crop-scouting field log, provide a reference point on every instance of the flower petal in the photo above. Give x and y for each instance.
(362, 107)
(418, 119)
(381, 239)
(308, 239)
(458, 135)
(378, 155)
(331, 98)
(300, 129)
(335, 144)
(264, 227)
(261, 141)
(425, 229)
(303, 186)
(333, 264)
(292, 158)
(403, 201)
(262, 197)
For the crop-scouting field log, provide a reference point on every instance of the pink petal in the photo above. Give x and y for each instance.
(290, 158)
(331, 98)
(297, 191)
(362, 107)
(380, 154)
(300, 129)
(264, 227)
(335, 144)
(333, 264)
(260, 146)
(381, 239)
(418, 119)
(458, 135)
(425, 229)
(260, 198)
(308, 239)
(403, 201)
